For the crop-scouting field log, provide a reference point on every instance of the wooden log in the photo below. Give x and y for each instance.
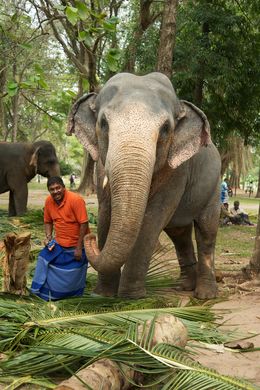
(105, 374)
(15, 263)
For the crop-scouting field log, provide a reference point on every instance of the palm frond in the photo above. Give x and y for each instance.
(15, 382)
(192, 375)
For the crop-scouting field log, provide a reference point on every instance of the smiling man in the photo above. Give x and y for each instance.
(62, 265)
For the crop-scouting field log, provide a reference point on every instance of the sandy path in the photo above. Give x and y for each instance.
(244, 317)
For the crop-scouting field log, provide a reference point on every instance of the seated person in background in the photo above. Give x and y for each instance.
(239, 216)
(225, 215)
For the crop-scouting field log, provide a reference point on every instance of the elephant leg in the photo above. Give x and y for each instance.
(132, 282)
(205, 232)
(11, 207)
(20, 199)
(182, 240)
(107, 285)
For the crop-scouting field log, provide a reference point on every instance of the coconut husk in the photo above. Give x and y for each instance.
(103, 374)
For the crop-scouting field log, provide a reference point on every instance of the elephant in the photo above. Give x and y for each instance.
(19, 163)
(157, 170)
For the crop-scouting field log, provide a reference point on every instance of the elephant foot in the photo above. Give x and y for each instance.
(104, 291)
(187, 279)
(107, 285)
(206, 288)
(132, 294)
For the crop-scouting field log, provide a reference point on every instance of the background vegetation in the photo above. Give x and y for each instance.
(52, 52)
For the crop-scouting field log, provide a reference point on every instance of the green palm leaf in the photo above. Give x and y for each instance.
(42, 338)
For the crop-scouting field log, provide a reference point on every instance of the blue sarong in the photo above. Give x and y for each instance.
(58, 275)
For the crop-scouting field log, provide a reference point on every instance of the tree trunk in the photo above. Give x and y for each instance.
(198, 92)
(258, 187)
(146, 18)
(3, 127)
(252, 270)
(15, 107)
(225, 160)
(15, 264)
(15, 104)
(87, 185)
(167, 38)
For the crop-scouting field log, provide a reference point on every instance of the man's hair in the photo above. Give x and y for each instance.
(236, 202)
(55, 180)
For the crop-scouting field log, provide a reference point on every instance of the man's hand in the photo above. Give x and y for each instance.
(46, 241)
(78, 253)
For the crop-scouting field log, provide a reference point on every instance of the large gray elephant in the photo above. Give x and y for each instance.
(19, 163)
(157, 169)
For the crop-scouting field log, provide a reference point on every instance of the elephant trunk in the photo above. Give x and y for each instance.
(130, 175)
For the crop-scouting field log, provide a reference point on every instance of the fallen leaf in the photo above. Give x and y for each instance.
(239, 344)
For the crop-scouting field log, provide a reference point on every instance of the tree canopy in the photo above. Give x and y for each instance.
(53, 52)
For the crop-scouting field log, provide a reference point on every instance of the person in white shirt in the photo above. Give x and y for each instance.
(239, 216)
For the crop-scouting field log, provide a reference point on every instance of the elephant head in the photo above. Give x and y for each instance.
(43, 159)
(136, 126)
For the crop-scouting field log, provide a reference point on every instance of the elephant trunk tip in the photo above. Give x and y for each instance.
(90, 244)
(98, 261)
(92, 251)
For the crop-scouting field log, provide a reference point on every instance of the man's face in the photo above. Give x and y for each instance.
(236, 206)
(57, 191)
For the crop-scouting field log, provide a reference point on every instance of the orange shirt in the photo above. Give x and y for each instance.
(66, 217)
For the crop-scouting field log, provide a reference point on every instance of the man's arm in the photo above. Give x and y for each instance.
(48, 226)
(84, 229)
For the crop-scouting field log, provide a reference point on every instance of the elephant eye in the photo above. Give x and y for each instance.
(165, 128)
(104, 124)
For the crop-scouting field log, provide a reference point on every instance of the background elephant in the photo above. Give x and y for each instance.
(157, 170)
(19, 163)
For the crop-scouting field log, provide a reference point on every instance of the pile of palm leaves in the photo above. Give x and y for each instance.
(44, 341)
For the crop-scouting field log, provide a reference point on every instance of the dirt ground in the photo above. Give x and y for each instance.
(242, 304)
(244, 317)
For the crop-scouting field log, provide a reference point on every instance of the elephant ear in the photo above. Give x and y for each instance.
(191, 133)
(82, 122)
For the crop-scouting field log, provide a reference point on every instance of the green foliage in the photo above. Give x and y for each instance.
(31, 77)
(217, 51)
(94, 24)
(65, 168)
(43, 339)
(223, 40)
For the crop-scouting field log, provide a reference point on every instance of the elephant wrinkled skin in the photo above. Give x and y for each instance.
(19, 163)
(157, 169)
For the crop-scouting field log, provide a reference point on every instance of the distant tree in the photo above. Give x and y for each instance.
(258, 186)
(221, 74)
(252, 270)
(28, 59)
(144, 14)
(167, 38)
(86, 33)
